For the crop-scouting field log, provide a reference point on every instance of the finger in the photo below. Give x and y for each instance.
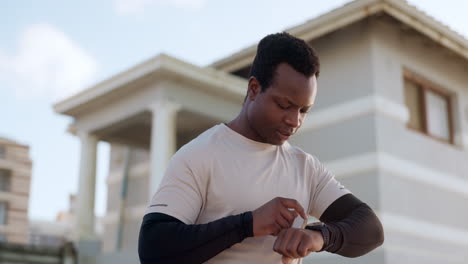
(283, 246)
(289, 215)
(278, 240)
(292, 246)
(277, 230)
(291, 203)
(303, 248)
(286, 260)
(283, 222)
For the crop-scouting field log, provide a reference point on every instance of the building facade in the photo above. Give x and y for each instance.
(15, 181)
(390, 120)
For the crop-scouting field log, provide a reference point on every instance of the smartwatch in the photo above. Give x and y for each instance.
(322, 228)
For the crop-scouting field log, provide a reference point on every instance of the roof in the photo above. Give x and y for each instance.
(354, 12)
(161, 67)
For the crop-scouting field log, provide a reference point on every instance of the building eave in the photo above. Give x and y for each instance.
(160, 68)
(351, 13)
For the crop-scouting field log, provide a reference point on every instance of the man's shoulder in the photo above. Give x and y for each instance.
(202, 144)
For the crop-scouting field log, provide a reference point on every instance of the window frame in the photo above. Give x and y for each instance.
(3, 152)
(427, 86)
(7, 177)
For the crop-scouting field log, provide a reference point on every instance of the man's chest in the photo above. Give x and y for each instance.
(247, 183)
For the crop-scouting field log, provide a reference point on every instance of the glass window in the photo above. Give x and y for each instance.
(413, 100)
(429, 109)
(437, 116)
(3, 213)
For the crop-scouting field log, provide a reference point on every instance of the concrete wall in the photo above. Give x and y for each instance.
(424, 189)
(346, 65)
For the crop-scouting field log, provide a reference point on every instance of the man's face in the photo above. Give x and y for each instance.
(277, 113)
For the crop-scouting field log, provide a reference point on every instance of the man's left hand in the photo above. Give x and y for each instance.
(295, 243)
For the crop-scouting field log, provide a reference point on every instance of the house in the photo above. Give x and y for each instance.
(390, 120)
(15, 181)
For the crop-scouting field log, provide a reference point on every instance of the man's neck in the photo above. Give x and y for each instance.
(241, 125)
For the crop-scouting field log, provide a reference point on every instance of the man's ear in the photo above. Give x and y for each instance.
(254, 88)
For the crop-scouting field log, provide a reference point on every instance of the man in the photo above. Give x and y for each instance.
(240, 193)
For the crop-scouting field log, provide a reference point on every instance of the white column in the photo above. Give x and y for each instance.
(86, 189)
(163, 141)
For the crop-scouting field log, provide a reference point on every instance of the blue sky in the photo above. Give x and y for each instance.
(52, 49)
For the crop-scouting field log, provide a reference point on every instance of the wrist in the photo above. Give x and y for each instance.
(324, 231)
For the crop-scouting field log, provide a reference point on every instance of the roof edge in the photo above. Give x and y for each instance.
(169, 67)
(353, 12)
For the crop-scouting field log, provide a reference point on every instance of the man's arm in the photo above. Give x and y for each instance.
(351, 226)
(165, 239)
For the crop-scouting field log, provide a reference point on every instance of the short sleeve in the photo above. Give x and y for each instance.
(182, 190)
(325, 188)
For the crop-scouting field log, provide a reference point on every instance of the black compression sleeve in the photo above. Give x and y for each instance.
(353, 226)
(165, 239)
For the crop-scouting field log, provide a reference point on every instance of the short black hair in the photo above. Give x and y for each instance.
(283, 48)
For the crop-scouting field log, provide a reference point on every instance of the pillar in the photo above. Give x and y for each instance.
(163, 141)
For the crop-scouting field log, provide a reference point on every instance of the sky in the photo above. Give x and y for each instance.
(50, 50)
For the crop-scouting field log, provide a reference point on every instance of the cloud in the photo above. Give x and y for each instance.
(47, 63)
(128, 7)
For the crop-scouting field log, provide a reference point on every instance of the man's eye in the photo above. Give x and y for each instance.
(283, 107)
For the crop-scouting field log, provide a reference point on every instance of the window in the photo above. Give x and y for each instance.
(2, 152)
(3, 213)
(429, 108)
(4, 180)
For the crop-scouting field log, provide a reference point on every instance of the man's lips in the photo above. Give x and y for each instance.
(284, 135)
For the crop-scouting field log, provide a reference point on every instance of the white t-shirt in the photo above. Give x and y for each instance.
(222, 173)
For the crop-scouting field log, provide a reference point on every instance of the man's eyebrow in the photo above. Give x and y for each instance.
(290, 102)
(306, 106)
(282, 98)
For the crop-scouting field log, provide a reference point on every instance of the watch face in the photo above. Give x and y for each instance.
(315, 226)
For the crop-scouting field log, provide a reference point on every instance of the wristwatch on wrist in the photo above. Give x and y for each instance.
(322, 228)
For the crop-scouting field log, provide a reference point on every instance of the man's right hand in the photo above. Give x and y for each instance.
(272, 217)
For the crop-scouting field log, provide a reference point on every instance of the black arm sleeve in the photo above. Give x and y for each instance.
(353, 227)
(165, 239)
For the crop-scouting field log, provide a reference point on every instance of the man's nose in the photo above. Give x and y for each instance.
(293, 119)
